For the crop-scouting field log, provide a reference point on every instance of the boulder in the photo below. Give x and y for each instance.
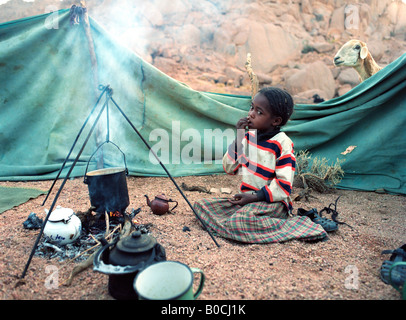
(348, 76)
(288, 73)
(344, 89)
(322, 47)
(269, 46)
(306, 7)
(165, 65)
(264, 78)
(152, 14)
(310, 96)
(400, 27)
(175, 11)
(337, 19)
(235, 75)
(392, 12)
(314, 76)
(188, 35)
(377, 49)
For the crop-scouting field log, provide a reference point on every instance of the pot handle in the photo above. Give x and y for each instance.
(170, 200)
(201, 284)
(107, 141)
(100, 266)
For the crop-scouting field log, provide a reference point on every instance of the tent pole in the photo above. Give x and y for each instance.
(93, 60)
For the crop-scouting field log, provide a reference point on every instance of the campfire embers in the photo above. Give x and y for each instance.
(115, 214)
(98, 220)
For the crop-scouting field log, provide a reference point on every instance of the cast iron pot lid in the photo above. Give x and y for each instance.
(136, 242)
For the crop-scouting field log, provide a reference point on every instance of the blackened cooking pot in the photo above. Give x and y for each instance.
(108, 187)
(108, 190)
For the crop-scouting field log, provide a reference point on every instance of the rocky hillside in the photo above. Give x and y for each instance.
(205, 43)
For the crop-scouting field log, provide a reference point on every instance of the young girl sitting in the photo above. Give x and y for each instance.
(264, 158)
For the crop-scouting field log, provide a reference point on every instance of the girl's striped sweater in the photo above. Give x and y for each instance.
(266, 165)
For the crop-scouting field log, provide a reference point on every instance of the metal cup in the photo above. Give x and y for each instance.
(168, 280)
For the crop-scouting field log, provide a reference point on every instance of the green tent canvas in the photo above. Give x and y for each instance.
(48, 89)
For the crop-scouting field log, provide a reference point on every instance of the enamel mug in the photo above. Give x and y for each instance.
(168, 280)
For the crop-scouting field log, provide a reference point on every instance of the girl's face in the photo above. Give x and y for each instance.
(260, 116)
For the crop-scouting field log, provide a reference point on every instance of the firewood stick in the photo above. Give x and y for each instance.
(79, 268)
(113, 231)
(126, 228)
(107, 223)
(83, 252)
(94, 238)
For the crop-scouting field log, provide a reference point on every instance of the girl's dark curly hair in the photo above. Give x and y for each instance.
(280, 102)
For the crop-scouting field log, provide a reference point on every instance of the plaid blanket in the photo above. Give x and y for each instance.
(257, 222)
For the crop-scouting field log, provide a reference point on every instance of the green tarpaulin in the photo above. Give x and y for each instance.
(49, 86)
(13, 197)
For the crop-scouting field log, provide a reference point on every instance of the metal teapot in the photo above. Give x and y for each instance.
(123, 260)
(160, 205)
(63, 226)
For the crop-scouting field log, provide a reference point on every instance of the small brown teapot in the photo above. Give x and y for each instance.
(160, 205)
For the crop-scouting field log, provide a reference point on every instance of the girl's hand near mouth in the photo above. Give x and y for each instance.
(243, 123)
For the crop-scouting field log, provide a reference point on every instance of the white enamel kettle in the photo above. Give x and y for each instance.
(63, 226)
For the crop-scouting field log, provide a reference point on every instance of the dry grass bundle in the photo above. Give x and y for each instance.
(252, 76)
(317, 174)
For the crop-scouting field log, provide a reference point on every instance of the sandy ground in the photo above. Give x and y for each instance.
(346, 267)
